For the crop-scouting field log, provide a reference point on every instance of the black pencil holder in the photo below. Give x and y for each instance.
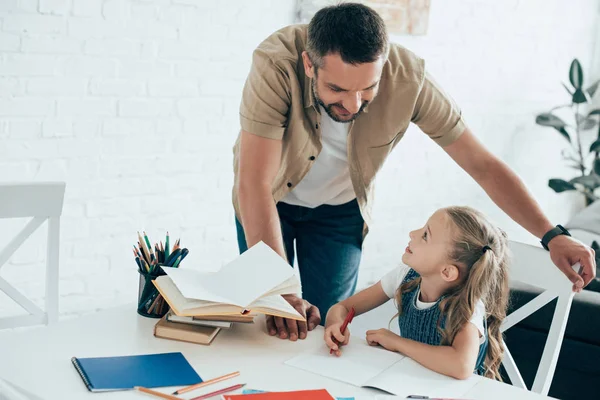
(150, 302)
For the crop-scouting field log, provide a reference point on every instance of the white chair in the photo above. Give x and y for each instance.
(533, 266)
(41, 201)
(530, 265)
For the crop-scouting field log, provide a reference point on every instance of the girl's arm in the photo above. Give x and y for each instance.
(363, 301)
(457, 360)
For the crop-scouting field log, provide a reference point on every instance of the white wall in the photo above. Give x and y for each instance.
(134, 104)
(503, 63)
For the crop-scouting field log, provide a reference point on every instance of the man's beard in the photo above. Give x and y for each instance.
(328, 109)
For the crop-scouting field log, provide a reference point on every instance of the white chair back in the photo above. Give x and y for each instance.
(532, 265)
(42, 202)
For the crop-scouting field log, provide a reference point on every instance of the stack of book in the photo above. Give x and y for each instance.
(203, 303)
(199, 329)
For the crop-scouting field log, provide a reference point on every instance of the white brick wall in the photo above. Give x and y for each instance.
(134, 104)
(503, 62)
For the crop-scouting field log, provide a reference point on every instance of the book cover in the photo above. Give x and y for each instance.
(244, 318)
(185, 332)
(101, 374)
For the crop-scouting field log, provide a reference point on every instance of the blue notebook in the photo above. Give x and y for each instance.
(120, 373)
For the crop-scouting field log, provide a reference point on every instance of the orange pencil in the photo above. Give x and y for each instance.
(206, 383)
(157, 394)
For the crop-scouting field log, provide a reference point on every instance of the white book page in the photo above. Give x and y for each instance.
(245, 279)
(276, 303)
(358, 363)
(408, 377)
(175, 299)
(196, 285)
(290, 286)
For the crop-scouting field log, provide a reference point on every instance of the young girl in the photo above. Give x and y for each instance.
(451, 295)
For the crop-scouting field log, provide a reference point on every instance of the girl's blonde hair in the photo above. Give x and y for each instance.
(487, 279)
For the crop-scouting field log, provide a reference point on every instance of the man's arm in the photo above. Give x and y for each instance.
(510, 194)
(259, 162)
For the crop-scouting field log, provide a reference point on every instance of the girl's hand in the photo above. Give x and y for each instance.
(332, 332)
(384, 338)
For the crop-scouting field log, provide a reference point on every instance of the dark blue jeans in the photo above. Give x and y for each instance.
(328, 244)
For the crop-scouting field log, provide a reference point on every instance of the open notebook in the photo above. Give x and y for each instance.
(253, 282)
(369, 366)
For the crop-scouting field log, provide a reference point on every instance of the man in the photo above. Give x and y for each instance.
(322, 108)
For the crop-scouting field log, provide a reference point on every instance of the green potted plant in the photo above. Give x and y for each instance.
(585, 161)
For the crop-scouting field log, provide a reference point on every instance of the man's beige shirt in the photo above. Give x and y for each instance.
(278, 103)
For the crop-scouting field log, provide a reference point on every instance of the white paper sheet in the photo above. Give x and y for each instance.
(245, 279)
(275, 302)
(408, 377)
(358, 363)
(373, 366)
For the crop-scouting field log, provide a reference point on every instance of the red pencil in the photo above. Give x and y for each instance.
(221, 391)
(344, 325)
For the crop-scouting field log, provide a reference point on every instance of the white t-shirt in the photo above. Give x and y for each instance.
(328, 181)
(392, 280)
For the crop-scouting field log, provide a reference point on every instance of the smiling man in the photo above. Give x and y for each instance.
(322, 108)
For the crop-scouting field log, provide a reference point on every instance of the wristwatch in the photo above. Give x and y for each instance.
(552, 233)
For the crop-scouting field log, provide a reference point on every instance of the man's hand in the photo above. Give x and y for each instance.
(566, 252)
(291, 328)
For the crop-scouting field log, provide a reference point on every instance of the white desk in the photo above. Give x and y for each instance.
(39, 359)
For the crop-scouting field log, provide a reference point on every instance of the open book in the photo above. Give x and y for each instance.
(368, 366)
(253, 282)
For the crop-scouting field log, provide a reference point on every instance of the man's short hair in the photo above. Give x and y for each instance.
(354, 31)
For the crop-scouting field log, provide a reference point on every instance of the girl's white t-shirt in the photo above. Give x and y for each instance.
(392, 280)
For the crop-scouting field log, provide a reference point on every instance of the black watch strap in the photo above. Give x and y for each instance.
(552, 233)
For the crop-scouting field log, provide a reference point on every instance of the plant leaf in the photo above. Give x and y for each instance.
(565, 134)
(595, 146)
(591, 181)
(594, 112)
(589, 123)
(592, 89)
(549, 119)
(579, 97)
(576, 74)
(560, 185)
(597, 166)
